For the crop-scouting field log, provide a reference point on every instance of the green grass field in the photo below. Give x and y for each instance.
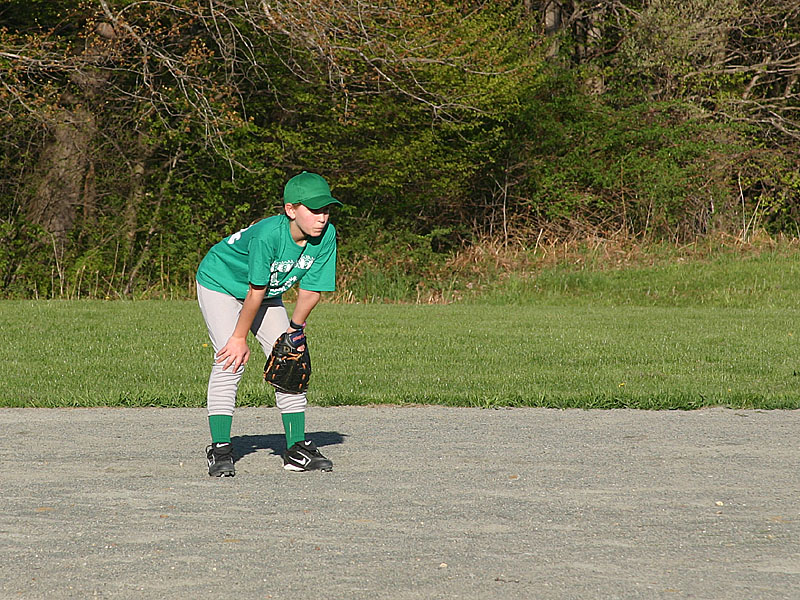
(710, 334)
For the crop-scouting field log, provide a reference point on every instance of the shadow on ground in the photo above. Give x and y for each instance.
(276, 443)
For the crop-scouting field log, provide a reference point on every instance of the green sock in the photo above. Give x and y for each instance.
(220, 426)
(295, 426)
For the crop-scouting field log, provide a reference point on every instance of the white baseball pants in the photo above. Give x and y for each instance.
(221, 312)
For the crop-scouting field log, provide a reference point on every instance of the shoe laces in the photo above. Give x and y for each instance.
(221, 451)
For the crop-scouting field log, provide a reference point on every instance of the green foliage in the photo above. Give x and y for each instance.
(387, 264)
(36, 15)
(664, 170)
(438, 124)
(23, 259)
(672, 38)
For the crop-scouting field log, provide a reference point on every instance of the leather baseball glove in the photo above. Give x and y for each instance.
(288, 368)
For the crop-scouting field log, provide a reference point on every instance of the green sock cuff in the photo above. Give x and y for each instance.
(220, 426)
(294, 424)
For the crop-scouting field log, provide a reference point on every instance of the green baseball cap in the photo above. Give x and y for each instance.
(310, 190)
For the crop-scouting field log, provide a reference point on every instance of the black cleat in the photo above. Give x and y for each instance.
(304, 456)
(220, 460)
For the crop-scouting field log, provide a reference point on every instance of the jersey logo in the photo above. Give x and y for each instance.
(237, 236)
(282, 266)
(285, 266)
(305, 262)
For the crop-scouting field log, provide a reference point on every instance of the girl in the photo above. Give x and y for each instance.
(240, 283)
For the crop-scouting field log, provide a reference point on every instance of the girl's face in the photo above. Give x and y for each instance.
(309, 222)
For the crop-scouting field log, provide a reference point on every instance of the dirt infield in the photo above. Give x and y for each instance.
(423, 502)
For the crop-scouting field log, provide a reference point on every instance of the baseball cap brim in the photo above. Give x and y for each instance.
(319, 202)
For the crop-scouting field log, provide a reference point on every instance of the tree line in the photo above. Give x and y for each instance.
(136, 133)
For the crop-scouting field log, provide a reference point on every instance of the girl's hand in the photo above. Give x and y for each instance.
(236, 352)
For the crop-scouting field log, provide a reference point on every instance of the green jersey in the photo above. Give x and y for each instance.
(265, 254)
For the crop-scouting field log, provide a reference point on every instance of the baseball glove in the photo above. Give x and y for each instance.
(288, 368)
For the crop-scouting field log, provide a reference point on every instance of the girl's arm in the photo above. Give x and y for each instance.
(236, 352)
(306, 301)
